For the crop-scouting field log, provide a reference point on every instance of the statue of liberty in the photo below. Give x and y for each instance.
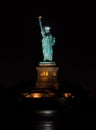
(48, 41)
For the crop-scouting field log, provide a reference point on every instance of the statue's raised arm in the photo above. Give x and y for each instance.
(41, 26)
(40, 23)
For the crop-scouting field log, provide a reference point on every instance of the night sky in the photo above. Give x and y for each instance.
(74, 52)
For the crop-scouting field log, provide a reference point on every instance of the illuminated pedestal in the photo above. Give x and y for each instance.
(47, 81)
(47, 76)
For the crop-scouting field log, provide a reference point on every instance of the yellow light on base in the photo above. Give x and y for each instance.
(66, 95)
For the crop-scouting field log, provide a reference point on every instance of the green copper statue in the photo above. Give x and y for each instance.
(48, 41)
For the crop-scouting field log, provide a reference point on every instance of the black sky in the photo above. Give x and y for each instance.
(74, 52)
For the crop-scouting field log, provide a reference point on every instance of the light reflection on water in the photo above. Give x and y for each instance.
(46, 120)
(45, 126)
(46, 112)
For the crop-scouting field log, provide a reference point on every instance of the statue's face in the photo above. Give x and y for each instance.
(47, 29)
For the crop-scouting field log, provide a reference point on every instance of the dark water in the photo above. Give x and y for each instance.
(47, 120)
(18, 116)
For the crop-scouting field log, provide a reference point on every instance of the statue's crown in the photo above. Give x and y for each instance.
(47, 27)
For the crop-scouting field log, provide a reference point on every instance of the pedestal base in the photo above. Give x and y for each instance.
(47, 75)
(47, 85)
